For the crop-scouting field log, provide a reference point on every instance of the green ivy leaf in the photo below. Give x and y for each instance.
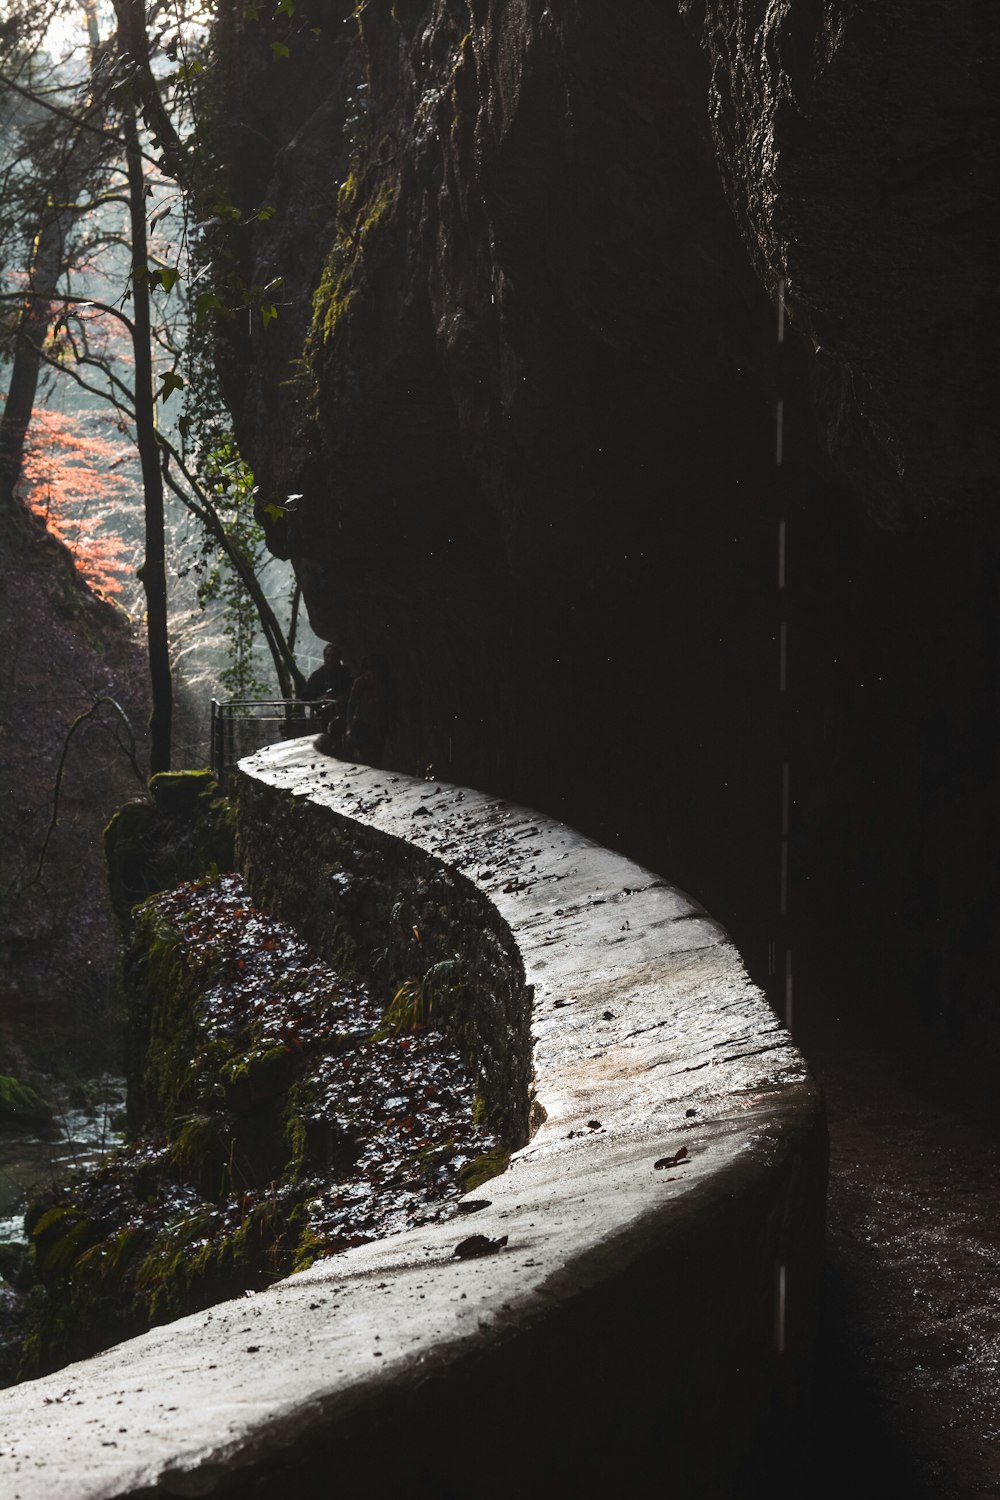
(171, 382)
(279, 50)
(222, 209)
(268, 313)
(265, 212)
(167, 276)
(205, 303)
(286, 7)
(274, 512)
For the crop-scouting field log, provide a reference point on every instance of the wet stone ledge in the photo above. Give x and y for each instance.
(382, 906)
(610, 1313)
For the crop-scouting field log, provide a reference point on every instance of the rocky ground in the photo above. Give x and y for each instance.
(64, 650)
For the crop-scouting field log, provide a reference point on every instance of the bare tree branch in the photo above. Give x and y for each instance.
(129, 750)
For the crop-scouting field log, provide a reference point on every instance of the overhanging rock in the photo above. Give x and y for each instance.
(661, 1223)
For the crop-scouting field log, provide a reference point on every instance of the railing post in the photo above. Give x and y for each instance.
(214, 740)
(283, 718)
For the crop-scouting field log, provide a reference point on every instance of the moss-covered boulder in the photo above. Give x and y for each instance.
(20, 1105)
(183, 830)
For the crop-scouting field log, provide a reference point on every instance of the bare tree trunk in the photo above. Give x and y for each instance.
(48, 262)
(282, 648)
(32, 331)
(153, 572)
(47, 265)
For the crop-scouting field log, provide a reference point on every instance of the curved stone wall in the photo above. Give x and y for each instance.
(650, 1255)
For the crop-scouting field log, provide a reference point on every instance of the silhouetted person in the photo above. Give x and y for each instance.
(328, 689)
(369, 712)
(331, 680)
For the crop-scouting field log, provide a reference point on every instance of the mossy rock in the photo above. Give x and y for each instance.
(490, 1164)
(185, 794)
(184, 830)
(20, 1105)
(365, 198)
(162, 1039)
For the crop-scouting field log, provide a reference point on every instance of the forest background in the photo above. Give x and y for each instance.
(125, 508)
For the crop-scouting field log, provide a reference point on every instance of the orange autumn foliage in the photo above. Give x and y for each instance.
(71, 479)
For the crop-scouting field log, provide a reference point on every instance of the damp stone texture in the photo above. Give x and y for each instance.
(614, 1309)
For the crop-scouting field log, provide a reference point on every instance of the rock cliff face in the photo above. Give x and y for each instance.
(522, 384)
(859, 146)
(520, 379)
(65, 649)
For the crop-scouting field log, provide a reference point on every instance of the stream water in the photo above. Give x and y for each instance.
(81, 1133)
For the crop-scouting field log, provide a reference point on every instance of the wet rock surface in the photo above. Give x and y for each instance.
(523, 383)
(650, 1045)
(520, 381)
(860, 153)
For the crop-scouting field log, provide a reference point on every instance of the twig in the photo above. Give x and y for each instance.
(129, 750)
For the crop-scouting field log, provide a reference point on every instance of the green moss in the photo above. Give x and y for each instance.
(255, 1075)
(309, 1248)
(437, 1154)
(164, 1030)
(184, 830)
(234, 1135)
(490, 1164)
(20, 1105)
(417, 1000)
(181, 1255)
(200, 1152)
(58, 1238)
(295, 1132)
(362, 202)
(189, 1263)
(108, 1260)
(182, 794)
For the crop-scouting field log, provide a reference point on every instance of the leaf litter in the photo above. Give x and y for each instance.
(296, 1129)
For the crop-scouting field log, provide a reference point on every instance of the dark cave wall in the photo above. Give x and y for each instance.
(521, 360)
(523, 379)
(859, 147)
(858, 143)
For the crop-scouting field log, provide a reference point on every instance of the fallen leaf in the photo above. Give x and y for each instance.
(670, 1161)
(478, 1244)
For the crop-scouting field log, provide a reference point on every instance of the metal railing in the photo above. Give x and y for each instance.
(241, 726)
